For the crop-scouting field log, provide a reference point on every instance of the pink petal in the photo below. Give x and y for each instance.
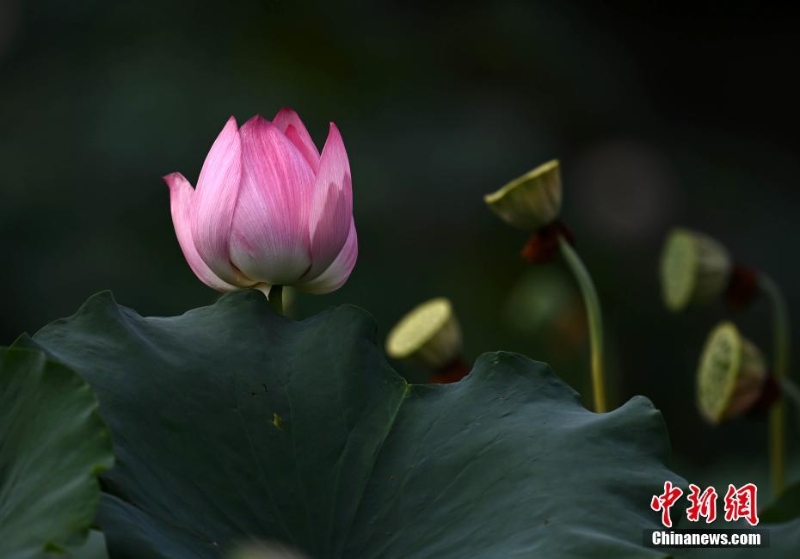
(215, 201)
(338, 272)
(270, 239)
(290, 124)
(332, 205)
(181, 194)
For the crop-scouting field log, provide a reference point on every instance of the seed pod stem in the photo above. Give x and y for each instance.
(594, 317)
(777, 417)
(792, 393)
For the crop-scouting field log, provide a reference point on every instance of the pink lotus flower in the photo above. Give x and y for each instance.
(268, 209)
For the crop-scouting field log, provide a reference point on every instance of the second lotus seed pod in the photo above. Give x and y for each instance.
(531, 201)
(429, 335)
(695, 269)
(730, 376)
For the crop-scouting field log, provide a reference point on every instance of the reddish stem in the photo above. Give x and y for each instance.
(542, 247)
(452, 372)
(770, 393)
(743, 287)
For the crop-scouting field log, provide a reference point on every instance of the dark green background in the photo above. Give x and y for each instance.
(659, 117)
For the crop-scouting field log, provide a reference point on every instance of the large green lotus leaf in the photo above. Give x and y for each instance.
(93, 548)
(53, 446)
(233, 423)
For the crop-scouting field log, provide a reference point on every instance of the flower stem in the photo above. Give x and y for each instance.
(276, 298)
(777, 416)
(792, 393)
(595, 320)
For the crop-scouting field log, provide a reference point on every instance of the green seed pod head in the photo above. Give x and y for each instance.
(730, 375)
(429, 335)
(694, 269)
(531, 201)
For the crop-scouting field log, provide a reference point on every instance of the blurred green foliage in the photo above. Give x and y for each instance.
(658, 119)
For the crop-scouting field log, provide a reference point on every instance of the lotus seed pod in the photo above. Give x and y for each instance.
(531, 201)
(730, 376)
(695, 269)
(429, 335)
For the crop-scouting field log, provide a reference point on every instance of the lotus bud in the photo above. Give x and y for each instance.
(268, 209)
(731, 374)
(695, 269)
(531, 201)
(428, 335)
